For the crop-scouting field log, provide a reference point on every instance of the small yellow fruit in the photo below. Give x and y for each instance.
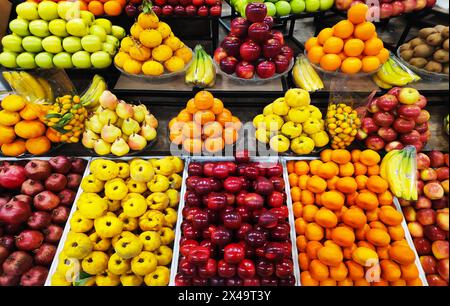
(162, 53)
(13, 103)
(152, 68)
(150, 38)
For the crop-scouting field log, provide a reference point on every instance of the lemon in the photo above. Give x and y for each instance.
(174, 64)
(152, 68)
(162, 53)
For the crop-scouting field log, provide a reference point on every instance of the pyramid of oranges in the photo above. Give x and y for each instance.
(152, 48)
(205, 125)
(350, 46)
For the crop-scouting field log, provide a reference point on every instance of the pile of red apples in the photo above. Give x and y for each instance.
(35, 201)
(428, 218)
(252, 47)
(235, 229)
(395, 120)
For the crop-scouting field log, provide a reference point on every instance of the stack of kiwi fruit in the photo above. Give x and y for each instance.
(429, 50)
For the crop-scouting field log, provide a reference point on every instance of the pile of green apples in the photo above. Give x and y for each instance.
(49, 34)
(283, 8)
(117, 127)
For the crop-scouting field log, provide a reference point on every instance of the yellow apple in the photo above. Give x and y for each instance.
(314, 112)
(312, 126)
(258, 120)
(291, 129)
(268, 110)
(273, 122)
(280, 107)
(262, 135)
(298, 114)
(279, 143)
(297, 97)
(302, 145)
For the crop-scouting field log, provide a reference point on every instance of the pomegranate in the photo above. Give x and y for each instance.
(44, 254)
(73, 180)
(12, 176)
(60, 164)
(36, 276)
(9, 280)
(78, 165)
(46, 200)
(4, 198)
(15, 212)
(38, 170)
(4, 253)
(17, 263)
(31, 187)
(7, 242)
(60, 214)
(39, 220)
(56, 182)
(29, 240)
(24, 198)
(13, 229)
(53, 233)
(67, 197)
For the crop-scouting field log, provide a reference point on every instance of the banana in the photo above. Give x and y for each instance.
(299, 77)
(403, 70)
(409, 171)
(393, 174)
(190, 73)
(47, 88)
(22, 87)
(385, 163)
(387, 75)
(202, 72)
(380, 83)
(91, 97)
(36, 87)
(318, 84)
(210, 72)
(305, 76)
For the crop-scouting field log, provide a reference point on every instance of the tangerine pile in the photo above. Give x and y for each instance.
(205, 124)
(152, 48)
(349, 232)
(351, 45)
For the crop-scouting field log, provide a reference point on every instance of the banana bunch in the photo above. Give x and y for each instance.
(399, 168)
(201, 72)
(66, 116)
(305, 76)
(393, 73)
(90, 98)
(35, 89)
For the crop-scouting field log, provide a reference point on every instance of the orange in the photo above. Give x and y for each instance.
(326, 218)
(293, 180)
(224, 118)
(386, 198)
(298, 209)
(373, 170)
(383, 56)
(7, 134)
(312, 248)
(351, 65)
(192, 145)
(355, 270)
(38, 145)
(377, 184)
(307, 280)
(378, 225)
(349, 250)
(52, 135)
(192, 130)
(314, 166)
(350, 198)
(303, 181)
(330, 255)
(347, 185)
(217, 106)
(360, 169)
(190, 106)
(204, 116)
(353, 47)
(203, 100)
(303, 261)
(341, 156)
(140, 53)
(314, 232)
(15, 148)
(301, 243)
(357, 13)
(370, 158)
(333, 200)
(373, 46)
(148, 21)
(307, 197)
(112, 8)
(370, 63)
(409, 272)
(330, 62)
(311, 42)
(324, 35)
(346, 170)
(378, 237)
(96, 8)
(390, 271)
(214, 144)
(397, 233)
(300, 226)
(365, 31)
(212, 129)
(361, 180)
(315, 54)
(29, 129)
(290, 166)
(354, 217)
(309, 212)
(342, 56)
(229, 135)
(301, 167)
(328, 170)
(331, 183)
(339, 272)
(367, 201)
(296, 194)
(390, 216)
(372, 215)
(325, 155)
(343, 29)
(316, 184)
(333, 45)
(343, 236)
(355, 155)
(318, 270)
(184, 116)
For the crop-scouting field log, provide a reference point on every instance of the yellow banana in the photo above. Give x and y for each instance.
(200, 71)
(409, 171)
(394, 169)
(22, 87)
(38, 91)
(318, 84)
(190, 73)
(210, 71)
(402, 69)
(47, 88)
(399, 71)
(299, 77)
(380, 83)
(385, 163)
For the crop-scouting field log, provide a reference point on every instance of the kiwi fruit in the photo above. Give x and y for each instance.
(407, 54)
(441, 56)
(405, 46)
(445, 44)
(444, 32)
(445, 69)
(419, 62)
(433, 66)
(434, 39)
(423, 51)
(416, 41)
(427, 31)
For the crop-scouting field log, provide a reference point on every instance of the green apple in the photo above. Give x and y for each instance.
(27, 10)
(105, 24)
(291, 129)
(68, 10)
(98, 31)
(32, 44)
(271, 9)
(52, 44)
(88, 17)
(81, 59)
(48, 10)
(8, 59)
(298, 114)
(108, 48)
(283, 8)
(71, 44)
(12, 43)
(298, 6)
(58, 27)
(77, 27)
(326, 4)
(44, 60)
(39, 28)
(101, 59)
(112, 40)
(271, 1)
(279, 143)
(91, 43)
(118, 32)
(62, 60)
(19, 26)
(302, 145)
(312, 5)
(26, 60)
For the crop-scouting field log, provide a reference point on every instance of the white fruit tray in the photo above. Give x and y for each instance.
(408, 238)
(54, 265)
(204, 159)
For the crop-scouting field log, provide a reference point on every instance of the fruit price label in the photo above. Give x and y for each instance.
(225, 296)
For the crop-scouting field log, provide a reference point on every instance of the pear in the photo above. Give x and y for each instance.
(101, 147)
(110, 133)
(130, 126)
(151, 120)
(94, 124)
(120, 147)
(108, 100)
(148, 132)
(89, 139)
(139, 112)
(124, 110)
(107, 115)
(136, 142)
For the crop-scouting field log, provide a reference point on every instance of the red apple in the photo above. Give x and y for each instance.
(423, 117)
(423, 161)
(269, 21)
(425, 136)
(281, 63)
(219, 55)
(288, 52)
(384, 119)
(426, 216)
(442, 173)
(403, 126)
(409, 111)
(422, 128)
(397, 8)
(423, 246)
(231, 45)
(388, 134)
(386, 10)
(375, 143)
(191, 10)
(410, 138)
(442, 219)
(245, 70)
(423, 203)
(228, 64)
(443, 268)
(256, 12)
(394, 145)
(215, 10)
(266, 69)
(410, 213)
(250, 51)
(387, 102)
(429, 264)
(440, 249)
(271, 48)
(258, 32)
(435, 280)
(372, 106)
(416, 229)
(203, 11)
(278, 36)
(437, 159)
(239, 27)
